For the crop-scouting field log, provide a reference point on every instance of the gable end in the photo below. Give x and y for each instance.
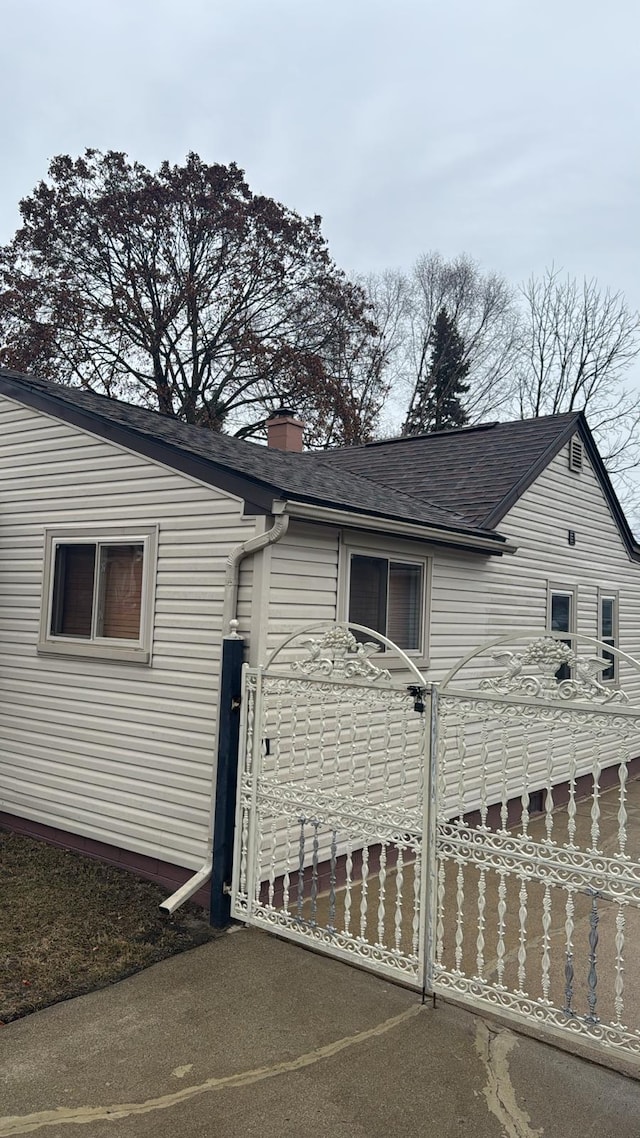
(257, 499)
(530, 475)
(584, 440)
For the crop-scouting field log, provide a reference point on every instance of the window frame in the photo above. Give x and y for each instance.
(610, 595)
(556, 588)
(125, 651)
(399, 555)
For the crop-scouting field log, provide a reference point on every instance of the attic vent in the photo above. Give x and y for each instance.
(575, 455)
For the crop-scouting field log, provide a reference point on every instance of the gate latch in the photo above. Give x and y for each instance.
(418, 694)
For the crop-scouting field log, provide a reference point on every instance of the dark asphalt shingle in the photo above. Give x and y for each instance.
(308, 477)
(472, 471)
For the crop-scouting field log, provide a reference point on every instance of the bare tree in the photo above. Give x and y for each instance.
(577, 343)
(481, 305)
(388, 294)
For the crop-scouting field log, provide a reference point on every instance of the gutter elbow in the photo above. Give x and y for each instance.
(253, 545)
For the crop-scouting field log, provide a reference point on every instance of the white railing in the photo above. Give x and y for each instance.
(537, 869)
(480, 840)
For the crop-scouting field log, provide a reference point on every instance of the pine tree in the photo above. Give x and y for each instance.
(437, 403)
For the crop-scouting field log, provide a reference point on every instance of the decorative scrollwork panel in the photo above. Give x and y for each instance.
(331, 803)
(537, 883)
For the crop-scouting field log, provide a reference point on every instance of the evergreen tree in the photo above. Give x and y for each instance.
(437, 405)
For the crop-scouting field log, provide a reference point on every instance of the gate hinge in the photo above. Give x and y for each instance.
(418, 694)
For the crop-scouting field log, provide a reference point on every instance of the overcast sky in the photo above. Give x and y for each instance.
(507, 129)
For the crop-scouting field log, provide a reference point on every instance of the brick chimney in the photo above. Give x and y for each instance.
(284, 431)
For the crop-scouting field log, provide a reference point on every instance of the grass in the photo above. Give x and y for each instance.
(69, 925)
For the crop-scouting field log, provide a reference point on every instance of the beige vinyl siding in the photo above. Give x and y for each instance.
(459, 602)
(558, 501)
(475, 598)
(120, 753)
(513, 594)
(303, 576)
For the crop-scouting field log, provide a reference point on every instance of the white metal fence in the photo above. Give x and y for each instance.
(535, 893)
(481, 841)
(330, 806)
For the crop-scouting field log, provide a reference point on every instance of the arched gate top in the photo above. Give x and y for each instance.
(530, 666)
(332, 650)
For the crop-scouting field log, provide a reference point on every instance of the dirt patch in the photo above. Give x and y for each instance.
(69, 925)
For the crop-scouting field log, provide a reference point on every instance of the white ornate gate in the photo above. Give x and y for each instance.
(535, 898)
(479, 839)
(330, 813)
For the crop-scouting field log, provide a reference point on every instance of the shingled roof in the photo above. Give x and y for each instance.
(458, 482)
(477, 471)
(256, 473)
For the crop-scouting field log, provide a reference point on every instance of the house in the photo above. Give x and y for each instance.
(128, 541)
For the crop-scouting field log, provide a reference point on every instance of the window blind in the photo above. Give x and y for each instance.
(405, 591)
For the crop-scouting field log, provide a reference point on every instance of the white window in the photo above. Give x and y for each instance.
(98, 593)
(608, 631)
(387, 594)
(561, 616)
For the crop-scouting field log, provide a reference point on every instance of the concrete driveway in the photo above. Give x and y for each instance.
(249, 1035)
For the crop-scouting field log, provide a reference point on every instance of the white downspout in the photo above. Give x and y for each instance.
(237, 555)
(189, 888)
(232, 578)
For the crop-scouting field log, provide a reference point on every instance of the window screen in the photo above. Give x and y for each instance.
(387, 596)
(607, 634)
(561, 621)
(73, 590)
(368, 592)
(561, 612)
(121, 591)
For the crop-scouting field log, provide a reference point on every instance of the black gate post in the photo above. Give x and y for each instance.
(226, 781)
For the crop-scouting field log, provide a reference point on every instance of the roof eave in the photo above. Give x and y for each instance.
(632, 546)
(472, 542)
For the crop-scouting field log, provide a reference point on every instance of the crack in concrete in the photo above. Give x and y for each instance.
(493, 1047)
(25, 1124)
